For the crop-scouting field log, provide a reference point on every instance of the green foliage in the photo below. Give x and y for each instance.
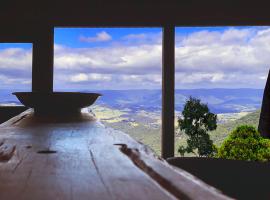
(245, 143)
(223, 130)
(197, 120)
(244, 132)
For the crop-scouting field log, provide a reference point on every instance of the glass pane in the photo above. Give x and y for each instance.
(15, 71)
(226, 69)
(123, 64)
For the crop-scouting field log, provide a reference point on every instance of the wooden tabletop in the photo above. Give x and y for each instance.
(76, 157)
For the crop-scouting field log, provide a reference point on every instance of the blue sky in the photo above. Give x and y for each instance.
(130, 58)
(15, 45)
(70, 37)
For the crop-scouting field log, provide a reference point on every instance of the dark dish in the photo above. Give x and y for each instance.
(56, 102)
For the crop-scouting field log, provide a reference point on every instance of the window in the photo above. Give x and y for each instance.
(226, 68)
(15, 70)
(123, 64)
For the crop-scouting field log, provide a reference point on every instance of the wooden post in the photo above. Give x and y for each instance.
(264, 122)
(168, 73)
(42, 69)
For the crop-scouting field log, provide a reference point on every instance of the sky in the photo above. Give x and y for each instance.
(130, 58)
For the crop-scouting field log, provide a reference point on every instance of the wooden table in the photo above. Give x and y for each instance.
(76, 157)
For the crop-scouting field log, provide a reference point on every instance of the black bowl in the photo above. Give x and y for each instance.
(56, 102)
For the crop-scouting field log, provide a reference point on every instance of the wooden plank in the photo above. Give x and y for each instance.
(167, 140)
(67, 174)
(178, 182)
(6, 151)
(81, 164)
(82, 159)
(121, 178)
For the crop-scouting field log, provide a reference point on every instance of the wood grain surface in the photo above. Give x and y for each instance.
(76, 157)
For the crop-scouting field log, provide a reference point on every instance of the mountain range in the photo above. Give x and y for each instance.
(219, 100)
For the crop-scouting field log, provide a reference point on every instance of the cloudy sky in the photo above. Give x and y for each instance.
(130, 58)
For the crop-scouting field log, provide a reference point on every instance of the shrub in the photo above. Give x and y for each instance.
(245, 131)
(245, 143)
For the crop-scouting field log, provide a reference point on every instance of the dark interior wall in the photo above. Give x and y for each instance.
(7, 112)
(33, 13)
(243, 180)
(24, 21)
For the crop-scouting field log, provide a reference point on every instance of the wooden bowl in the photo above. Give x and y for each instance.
(56, 102)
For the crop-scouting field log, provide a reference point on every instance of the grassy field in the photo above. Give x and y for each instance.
(223, 130)
(145, 126)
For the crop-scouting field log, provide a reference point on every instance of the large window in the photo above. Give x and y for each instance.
(124, 65)
(223, 67)
(226, 68)
(15, 71)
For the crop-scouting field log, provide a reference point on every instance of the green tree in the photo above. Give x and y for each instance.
(196, 122)
(245, 143)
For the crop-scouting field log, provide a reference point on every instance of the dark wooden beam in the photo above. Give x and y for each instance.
(16, 34)
(264, 122)
(134, 13)
(42, 70)
(168, 69)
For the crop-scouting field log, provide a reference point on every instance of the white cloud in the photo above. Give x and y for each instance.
(99, 77)
(236, 57)
(230, 36)
(142, 38)
(79, 78)
(236, 36)
(263, 77)
(200, 38)
(15, 58)
(15, 68)
(113, 59)
(135, 36)
(232, 58)
(100, 37)
(243, 50)
(199, 77)
(15, 82)
(82, 77)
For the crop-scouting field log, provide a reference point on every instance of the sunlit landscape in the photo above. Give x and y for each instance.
(225, 67)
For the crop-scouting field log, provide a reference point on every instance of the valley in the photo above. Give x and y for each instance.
(138, 112)
(145, 126)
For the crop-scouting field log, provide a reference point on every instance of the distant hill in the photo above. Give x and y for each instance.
(7, 97)
(223, 130)
(137, 112)
(133, 99)
(145, 126)
(219, 100)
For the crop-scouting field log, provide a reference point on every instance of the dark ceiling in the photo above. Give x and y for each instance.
(139, 12)
(23, 18)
